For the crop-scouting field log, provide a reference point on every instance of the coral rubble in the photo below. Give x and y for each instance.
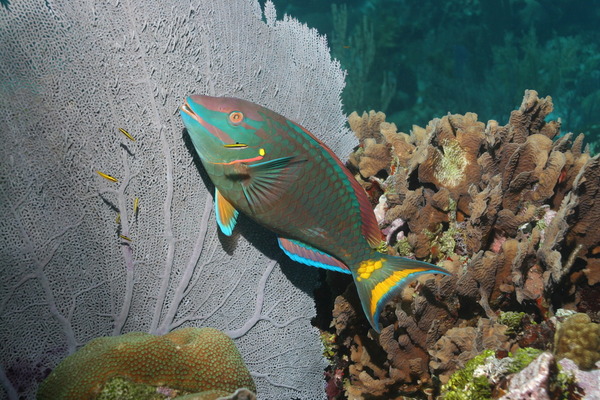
(202, 362)
(509, 210)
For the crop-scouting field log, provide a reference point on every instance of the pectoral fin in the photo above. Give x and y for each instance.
(226, 213)
(268, 181)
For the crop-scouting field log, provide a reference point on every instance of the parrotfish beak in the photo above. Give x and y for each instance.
(187, 109)
(192, 112)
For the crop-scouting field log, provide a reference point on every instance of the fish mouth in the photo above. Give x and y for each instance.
(185, 107)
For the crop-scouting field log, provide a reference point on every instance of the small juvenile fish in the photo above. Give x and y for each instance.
(125, 238)
(283, 177)
(106, 176)
(136, 206)
(127, 134)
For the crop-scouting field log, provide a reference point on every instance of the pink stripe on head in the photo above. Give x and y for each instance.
(229, 104)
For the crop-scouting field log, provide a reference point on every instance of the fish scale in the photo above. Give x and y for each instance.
(284, 178)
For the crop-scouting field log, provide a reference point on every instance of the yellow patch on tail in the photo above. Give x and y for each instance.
(367, 267)
(384, 286)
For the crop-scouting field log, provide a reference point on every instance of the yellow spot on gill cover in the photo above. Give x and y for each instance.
(451, 165)
(261, 152)
(383, 287)
(367, 267)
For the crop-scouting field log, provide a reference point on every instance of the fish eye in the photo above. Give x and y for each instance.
(236, 117)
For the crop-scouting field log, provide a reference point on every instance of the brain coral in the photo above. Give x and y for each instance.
(189, 359)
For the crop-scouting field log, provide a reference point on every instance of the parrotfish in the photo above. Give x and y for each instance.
(284, 178)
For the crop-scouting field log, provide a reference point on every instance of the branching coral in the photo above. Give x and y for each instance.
(510, 210)
(492, 182)
(459, 345)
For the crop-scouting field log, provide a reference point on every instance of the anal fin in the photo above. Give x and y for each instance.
(305, 254)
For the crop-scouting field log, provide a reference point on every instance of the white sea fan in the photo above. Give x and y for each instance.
(71, 74)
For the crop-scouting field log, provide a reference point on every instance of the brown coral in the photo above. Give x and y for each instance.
(461, 344)
(451, 160)
(373, 154)
(510, 210)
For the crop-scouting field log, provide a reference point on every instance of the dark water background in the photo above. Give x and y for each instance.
(416, 60)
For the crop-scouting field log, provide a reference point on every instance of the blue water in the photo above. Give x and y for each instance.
(426, 59)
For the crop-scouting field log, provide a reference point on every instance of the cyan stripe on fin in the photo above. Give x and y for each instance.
(305, 254)
(226, 214)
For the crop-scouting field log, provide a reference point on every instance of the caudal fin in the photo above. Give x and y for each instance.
(380, 278)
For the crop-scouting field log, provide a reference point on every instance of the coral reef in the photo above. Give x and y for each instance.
(509, 210)
(186, 361)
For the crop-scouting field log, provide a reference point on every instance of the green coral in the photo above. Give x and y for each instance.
(329, 345)
(383, 247)
(451, 165)
(403, 247)
(512, 320)
(447, 241)
(464, 385)
(578, 339)
(522, 358)
(190, 360)
(475, 380)
(444, 240)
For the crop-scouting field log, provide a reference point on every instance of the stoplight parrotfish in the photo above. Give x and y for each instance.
(284, 178)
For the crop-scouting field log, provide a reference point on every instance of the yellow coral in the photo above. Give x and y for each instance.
(578, 339)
